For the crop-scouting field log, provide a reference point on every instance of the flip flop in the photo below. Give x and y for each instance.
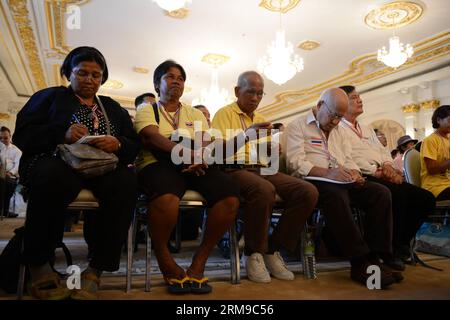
(200, 286)
(177, 286)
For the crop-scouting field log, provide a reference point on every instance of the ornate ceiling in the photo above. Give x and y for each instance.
(135, 36)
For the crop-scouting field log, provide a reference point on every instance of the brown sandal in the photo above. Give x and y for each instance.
(48, 288)
(84, 293)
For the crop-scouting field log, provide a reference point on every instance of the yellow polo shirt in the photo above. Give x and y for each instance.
(437, 148)
(191, 121)
(228, 121)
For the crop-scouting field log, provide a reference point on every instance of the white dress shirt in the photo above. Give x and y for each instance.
(367, 151)
(308, 147)
(11, 157)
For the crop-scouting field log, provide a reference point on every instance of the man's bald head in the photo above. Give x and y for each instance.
(331, 107)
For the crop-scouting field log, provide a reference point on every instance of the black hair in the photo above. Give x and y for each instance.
(2, 129)
(81, 54)
(162, 70)
(140, 99)
(440, 113)
(347, 89)
(277, 125)
(394, 152)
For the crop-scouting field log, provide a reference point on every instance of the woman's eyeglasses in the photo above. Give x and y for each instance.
(83, 75)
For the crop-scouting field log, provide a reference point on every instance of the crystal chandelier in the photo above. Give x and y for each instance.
(279, 65)
(397, 54)
(214, 97)
(171, 5)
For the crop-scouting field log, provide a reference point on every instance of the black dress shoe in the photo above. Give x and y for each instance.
(394, 263)
(12, 215)
(359, 274)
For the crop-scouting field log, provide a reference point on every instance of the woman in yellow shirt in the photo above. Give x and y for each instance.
(435, 156)
(165, 183)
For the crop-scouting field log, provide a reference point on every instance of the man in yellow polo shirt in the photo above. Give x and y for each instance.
(259, 191)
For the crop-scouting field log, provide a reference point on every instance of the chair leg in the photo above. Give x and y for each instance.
(148, 256)
(21, 282)
(205, 216)
(234, 256)
(130, 250)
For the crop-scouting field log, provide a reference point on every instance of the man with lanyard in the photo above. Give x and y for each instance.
(317, 150)
(259, 190)
(410, 204)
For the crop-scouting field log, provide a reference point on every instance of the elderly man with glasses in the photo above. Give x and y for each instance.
(259, 188)
(317, 150)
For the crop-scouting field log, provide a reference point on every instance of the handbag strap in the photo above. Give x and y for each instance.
(108, 126)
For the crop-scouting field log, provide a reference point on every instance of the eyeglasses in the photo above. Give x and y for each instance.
(251, 93)
(331, 114)
(83, 75)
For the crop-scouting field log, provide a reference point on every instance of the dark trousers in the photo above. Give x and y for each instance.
(259, 191)
(410, 207)
(53, 186)
(335, 201)
(444, 195)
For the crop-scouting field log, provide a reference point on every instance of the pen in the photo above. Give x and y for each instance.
(74, 117)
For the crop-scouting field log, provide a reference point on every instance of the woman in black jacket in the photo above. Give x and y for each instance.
(63, 115)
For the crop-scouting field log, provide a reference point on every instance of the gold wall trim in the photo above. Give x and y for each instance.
(430, 104)
(274, 5)
(361, 70)
(55, 11)
(31, 83)
(393, 15)
(411, 108)
(20, 15)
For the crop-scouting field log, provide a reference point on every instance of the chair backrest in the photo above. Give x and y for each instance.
(411, 167)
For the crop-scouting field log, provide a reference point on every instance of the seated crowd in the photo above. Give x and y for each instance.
(333, 163)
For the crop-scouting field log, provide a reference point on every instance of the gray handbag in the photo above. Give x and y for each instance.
(86, 160)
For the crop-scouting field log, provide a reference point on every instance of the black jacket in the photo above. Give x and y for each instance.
(42, 124)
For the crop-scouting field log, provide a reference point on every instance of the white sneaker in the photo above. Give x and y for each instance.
(256, 269)
(277, 267)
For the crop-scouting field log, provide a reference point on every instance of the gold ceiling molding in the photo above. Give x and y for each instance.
(411, 108)
(19, 11)
(140, 70)
(430, 104)
(274, 5)
(361, 70)
(308, 45)
(178, 14)
(4, 116)
(55, 11)
(112, 84)
(393, 15)
(215, 59)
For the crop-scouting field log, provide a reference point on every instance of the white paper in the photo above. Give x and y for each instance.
(87, 139)
(327, 180)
